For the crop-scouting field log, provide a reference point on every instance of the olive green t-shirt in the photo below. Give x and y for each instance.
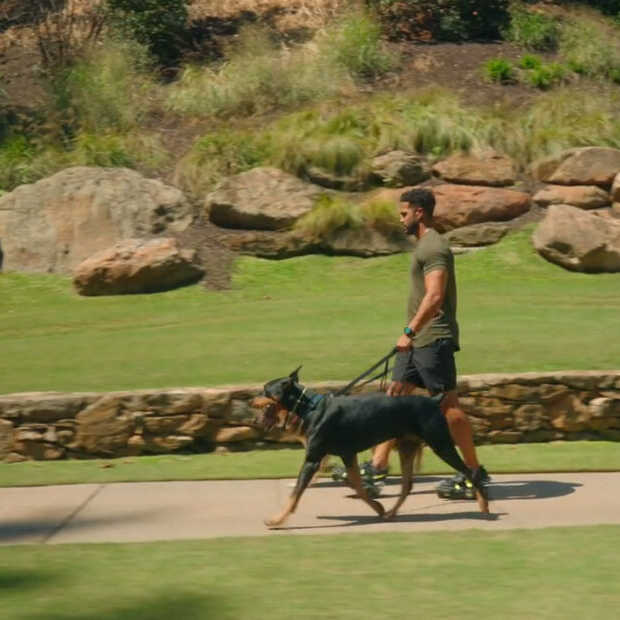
(432, 252)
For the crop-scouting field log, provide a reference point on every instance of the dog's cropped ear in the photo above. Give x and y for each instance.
(295, 374)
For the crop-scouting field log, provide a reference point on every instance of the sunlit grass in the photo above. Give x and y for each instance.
(516, 311)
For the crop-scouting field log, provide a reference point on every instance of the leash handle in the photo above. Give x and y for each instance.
(383, 360)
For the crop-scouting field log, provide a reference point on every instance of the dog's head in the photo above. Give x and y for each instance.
(280, 396)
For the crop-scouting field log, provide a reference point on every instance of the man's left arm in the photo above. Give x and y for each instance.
(435, 283)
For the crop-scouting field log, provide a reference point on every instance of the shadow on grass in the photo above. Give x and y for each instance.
(42, 530)
(22, 580)
(187, 606)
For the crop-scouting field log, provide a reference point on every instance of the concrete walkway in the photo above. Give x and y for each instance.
(131, 512)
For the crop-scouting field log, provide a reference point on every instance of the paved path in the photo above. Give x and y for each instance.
(127, 512)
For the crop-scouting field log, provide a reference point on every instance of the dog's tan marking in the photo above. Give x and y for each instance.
(409, 451)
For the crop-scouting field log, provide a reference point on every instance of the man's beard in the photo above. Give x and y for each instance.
(413, 228)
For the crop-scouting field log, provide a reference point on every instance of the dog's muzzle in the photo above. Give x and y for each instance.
(267, 415)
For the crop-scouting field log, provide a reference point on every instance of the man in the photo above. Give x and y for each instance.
(426, 349)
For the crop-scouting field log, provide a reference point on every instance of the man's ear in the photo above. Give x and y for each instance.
(295, 374)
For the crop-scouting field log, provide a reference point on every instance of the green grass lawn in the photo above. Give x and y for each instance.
(553, 573)
(333, 315)
(285, 463)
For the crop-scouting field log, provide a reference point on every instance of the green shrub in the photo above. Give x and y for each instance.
(383, 217)
(533, 30)
(219, 154)
(160, 25)
(130, 150)
(499, 70)
(530, 62)
(591, 49)
(258, 77)
(567, 117)
(108, 89)
(16, 162)
(452, 20)
(607, 7)
(329, 215)
(355, 43)
(545, 76)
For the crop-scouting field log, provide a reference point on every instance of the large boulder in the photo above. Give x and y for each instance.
(364, 242)
(476, 235)
(332, 180)
(54, 224)
(582, 196)
(615, 190)
(462, 205)
(399, 168)
(261, 199)
(137, 266)
(489, 168)
(361, 241)
(579, 240)
(264, 244)
(581, 166)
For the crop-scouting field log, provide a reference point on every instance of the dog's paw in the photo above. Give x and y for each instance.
(274, 522)
(389, 515)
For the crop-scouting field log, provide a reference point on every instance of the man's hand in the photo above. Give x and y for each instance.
(404, 343)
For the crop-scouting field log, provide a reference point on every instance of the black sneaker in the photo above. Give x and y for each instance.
(369, 473)
(339, 473)
(458, 487)
(373, 474)
(373, 490)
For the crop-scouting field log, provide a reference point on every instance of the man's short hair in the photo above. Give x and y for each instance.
(420, 197)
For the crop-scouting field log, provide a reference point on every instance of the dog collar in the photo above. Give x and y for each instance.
(298, 400)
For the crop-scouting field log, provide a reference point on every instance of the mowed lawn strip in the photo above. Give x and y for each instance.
(285, 463)
(334, 315)
(552, 573)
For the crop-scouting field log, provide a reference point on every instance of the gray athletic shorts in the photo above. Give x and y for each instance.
(432, 367)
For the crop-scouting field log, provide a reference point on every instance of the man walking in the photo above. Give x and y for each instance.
(430, 338)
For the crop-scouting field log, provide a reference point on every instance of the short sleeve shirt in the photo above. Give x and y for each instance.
(430, 253)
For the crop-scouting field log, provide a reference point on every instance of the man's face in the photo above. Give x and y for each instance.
(410, 217)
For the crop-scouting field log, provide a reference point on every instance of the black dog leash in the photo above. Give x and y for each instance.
(384, 360)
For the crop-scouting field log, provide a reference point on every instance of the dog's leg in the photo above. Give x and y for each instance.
(355, 480)
(308, 469)
(451, 456)
(407, 450)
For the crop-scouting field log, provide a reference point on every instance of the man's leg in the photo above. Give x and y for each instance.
(460, 428)
(381, 452)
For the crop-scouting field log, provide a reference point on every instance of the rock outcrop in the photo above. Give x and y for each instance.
(261, 199)
(591, 165)
(462, 205)
(56, 223)
(491, 168)
(399, 169)
(579, 240)
(137, 266)
(582, 196)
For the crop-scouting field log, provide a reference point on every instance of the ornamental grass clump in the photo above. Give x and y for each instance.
(328, 216)
(258, 76)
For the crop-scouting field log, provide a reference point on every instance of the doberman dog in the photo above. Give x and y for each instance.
(345, 425)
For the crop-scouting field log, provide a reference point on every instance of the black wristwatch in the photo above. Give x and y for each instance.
(409, 332)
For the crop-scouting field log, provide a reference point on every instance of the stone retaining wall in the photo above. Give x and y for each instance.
(529, 407)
